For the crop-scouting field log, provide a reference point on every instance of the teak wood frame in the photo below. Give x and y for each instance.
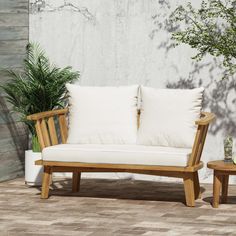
(47, 135)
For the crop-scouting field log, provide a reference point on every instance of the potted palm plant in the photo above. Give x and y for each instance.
(40, 87)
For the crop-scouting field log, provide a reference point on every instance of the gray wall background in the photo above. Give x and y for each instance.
(14, 36)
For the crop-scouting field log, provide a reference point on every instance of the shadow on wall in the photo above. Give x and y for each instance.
(219, 98)
(220, 95)
(18, 131)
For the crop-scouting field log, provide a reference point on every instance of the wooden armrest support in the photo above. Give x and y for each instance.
(45, 114)
(203, 124)
(45, 127)
(206, 118)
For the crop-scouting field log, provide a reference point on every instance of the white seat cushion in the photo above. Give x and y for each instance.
(168, 116)
(117, 154)
(102, 115)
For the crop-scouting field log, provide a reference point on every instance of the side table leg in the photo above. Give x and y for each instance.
(217, 185)
(225, 182)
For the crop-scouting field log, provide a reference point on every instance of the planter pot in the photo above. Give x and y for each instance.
(33, 173)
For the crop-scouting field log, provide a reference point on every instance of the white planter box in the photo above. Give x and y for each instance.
(33, 173)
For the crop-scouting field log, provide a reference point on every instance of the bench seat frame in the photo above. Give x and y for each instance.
(47, 136)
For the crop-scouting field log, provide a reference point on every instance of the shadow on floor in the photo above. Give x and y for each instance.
(122, 189)
(230, 200)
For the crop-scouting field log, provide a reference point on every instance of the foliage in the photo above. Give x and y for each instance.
(40, 87)
(209, 29)
(35, 144)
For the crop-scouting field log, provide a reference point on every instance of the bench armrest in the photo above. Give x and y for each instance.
(206, 118)
(45, 128)
(200, 137)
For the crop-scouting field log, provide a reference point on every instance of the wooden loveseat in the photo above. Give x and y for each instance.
(49, 135)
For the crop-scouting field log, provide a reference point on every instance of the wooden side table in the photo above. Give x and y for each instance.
(222, 170)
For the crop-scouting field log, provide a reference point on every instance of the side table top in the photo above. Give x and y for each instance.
(221, 165)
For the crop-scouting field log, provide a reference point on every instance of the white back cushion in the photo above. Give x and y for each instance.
(168, 116)
(102, 115)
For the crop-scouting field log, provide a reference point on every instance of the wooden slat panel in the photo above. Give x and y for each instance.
(12, 19)
(12, 167)
(44, 129)
(39, 134)
(13, 47)
(10, 130)
(14, 6)
(10, 143)
(63, 127)
(11, 61)
(52, 131)
(14, 33)
(7, 117)
(13, 39)
(4, 77)
(17, 154)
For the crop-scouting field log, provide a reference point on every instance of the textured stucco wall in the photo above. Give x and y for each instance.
(14, 35)
(119, 42)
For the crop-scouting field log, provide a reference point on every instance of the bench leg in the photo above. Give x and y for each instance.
(189, 189)
(197, 190)
(46, 182)
(76, 181)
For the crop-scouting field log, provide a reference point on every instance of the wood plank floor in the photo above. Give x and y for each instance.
(112, 207)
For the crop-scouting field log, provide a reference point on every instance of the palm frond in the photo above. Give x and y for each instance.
(40, 87)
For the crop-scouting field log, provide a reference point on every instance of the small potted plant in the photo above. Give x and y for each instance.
(40, 87)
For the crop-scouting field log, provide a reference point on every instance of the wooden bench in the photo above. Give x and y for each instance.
(47, 135)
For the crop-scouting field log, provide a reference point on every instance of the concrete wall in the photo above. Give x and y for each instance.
(14, 35)
(119, 42)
